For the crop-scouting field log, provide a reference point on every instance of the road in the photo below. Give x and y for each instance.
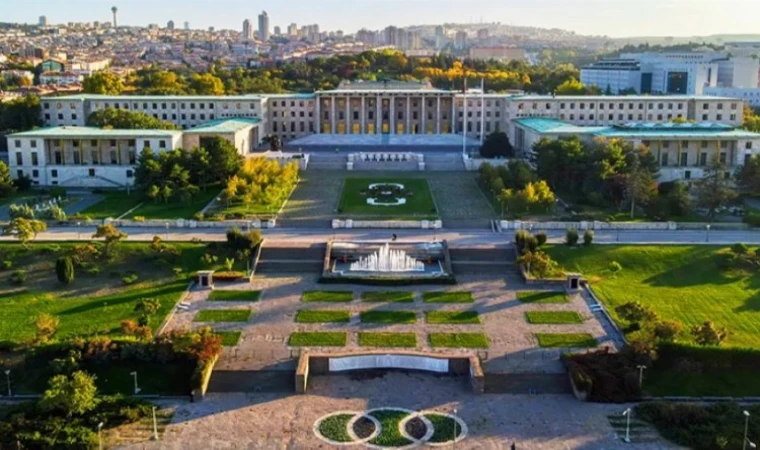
(462, 238)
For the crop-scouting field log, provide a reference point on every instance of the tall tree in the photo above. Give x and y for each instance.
(224, 160)
(206, 84)
(24, 229)
(497, 145)
(6, 182)
(20, 114)
(748, 177)
(104, 83)
(714, 190)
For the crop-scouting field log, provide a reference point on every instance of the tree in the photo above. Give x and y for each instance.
(206, 84)
(147, 307)
(274, 142)
(571, 87)
(640, 185)
(103, 83)
(123, 119)
(46, 326)
(111, 235)
(64, 269)
(748, 177)
(666, 330)
(224, 160)
(571, 237)
(74, 395)
(673, 200)
(497, 145)
(6, 182)
(24, 229)
(20, 114)
(751, 119)
(538, 263)
(708, 335)
(635, 313)
(713, 190)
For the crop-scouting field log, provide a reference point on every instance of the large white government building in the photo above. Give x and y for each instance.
(358, 116)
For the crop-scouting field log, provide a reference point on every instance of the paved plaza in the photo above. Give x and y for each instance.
(273, 421)
(513, 347)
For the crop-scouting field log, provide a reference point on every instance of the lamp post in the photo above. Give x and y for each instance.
(100, 438)
(617, 229)
(627, 414)
(8, 380)
(79, 231)
(167, 231)
(707, 233)
(155, 425)
(134, 375)
(746, 430)
(454, 437)
(641, 368)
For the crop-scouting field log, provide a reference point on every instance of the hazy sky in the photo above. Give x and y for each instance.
(615, 18)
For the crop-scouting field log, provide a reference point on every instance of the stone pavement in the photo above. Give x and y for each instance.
(274, 421)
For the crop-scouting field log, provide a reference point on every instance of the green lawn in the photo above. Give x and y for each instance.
(448, 297)
(334, 427)
(445, 428)
(387, 339)
(388, 317)
(452, 317)
(113, 205)
(553, 317)
(229, 338)
(388, 297)
(95, 303)
(317, 339)
(682, 283)
(323, 316)
(458, 340)
(328, 296)
(553, 340)
(176, 210)
(390, 436)
(542, 297)
(234, 296)
(223, 315)
(419, 199)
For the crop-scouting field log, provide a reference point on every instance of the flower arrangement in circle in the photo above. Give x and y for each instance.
(386, 194)
(390, 427)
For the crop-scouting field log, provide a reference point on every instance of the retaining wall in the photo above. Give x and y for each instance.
(388, 224)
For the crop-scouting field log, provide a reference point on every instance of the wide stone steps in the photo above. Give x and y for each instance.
(527, 383)
(291, 260)
(226, 381)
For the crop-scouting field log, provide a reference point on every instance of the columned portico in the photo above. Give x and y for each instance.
(333, 122)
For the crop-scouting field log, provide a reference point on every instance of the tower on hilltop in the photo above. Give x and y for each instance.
(114, 10)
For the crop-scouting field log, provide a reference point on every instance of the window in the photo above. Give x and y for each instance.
(33, 143)
(76, 158)
(687, 174)
(91, 172)
(114, 157)
(19, 173)
(720, 106)
(75, 144)
(60, 116)
(684, 159)
(664, 159)
(17, 143)
(54, 173)
(703, 159)
(748, 145)
(723, 157)
(19, 159)
(35, 161)
(665, 144)
(162, 144)
(704, 144)
(35, 173)
(146, 144)
(704, 116)
(130, 173)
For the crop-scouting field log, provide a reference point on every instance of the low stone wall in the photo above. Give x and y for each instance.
(586, 225)
(192, 224)
(322, 364)
(388, 224)
(284, 158)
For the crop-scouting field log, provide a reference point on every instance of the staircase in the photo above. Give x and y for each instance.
(444, 162)
(291, 260)
(388, 166)
(90, 182)
(500, 260)
(327, 161)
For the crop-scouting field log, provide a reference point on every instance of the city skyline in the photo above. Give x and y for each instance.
(588, 17)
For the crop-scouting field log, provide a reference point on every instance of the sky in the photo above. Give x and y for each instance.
(615, 18)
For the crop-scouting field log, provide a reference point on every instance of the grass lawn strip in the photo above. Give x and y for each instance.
(555, 340)
(113, 205)
(328, 296)
(176, 210)
(390, 435)
(546, 297)
(553, 317)
(223, 315)
(335, 427)
(388, 297)
(387, 339)
(448, 297)
(444, 428)
(323, 316)
(234, 296)
(452, 317)
(229, 338)
(458, 340)
(317, 339)
(389, 317)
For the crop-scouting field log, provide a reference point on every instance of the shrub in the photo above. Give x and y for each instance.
(46, 327)
(198, 216)
(571, 237)
(71, 395)
(143, 333)
(64, 270)
(209, 259)
(240, 242)
(7, 264)
(18, 277)
(752, 220)
(739, 249)
(605, 376)
(707, 334)
(614, 267)
(541, 238)
(588, 237)
(129, 279)
(635, 312)
(139, 218)
(667, 330)
(128, 327)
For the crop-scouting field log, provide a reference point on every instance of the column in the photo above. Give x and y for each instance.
(319, 114)
(393, 115)
(453, 128)
(81, 152)
(407, 128)
(332, 115)
(438, 114)
(363, 113)
(378, 115)
(348, 114)
(118, 151)
(423, 124)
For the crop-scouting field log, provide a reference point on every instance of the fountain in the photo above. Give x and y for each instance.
(387, 260)
(383, 263)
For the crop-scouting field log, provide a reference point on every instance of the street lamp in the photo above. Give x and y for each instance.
(155, 426)
(641, 368)
(8, 380)
(627, 414)
(454, 439)
(100, 439)
(134, 375)
(707, 233)
(167, 231)
(79, 231)
(746, 430)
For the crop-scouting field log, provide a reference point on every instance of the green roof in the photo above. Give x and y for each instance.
(94, 132)
(231, 125)
(554, 126)
(677, 133)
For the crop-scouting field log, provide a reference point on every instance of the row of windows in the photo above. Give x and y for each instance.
(302, 127)
(54, 174)
(701, 161)
(703, 144)
(640, 106)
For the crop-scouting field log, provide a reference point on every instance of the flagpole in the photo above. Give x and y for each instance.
(464, 119)
(482, 109)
